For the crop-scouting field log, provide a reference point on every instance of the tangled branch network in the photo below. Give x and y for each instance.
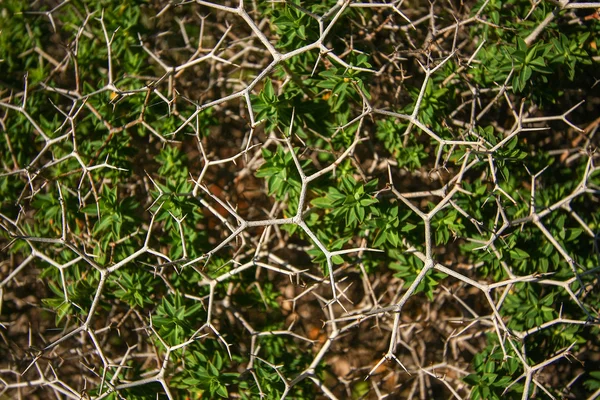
(281, 199)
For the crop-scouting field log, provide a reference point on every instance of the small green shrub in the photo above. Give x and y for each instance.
(299, 199)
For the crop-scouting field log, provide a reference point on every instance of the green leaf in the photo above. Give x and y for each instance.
(212, 370)
(268, 93)
(518, 254)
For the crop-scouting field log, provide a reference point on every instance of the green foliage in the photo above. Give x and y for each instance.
(434, 103)
(570, 52)
(405, 149)
(526, 308)
(128, 166)
(593, 384)
(75, 298)
(525, 61)
(268, 106)
(173, 318)
(204, 376)
(494, 374)
(350, 203)
(391, 225)
(294, 27)
(447, 226)
(281, 173)
(115, 218)
(561, 53)
(409, 267)
(136, 288)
